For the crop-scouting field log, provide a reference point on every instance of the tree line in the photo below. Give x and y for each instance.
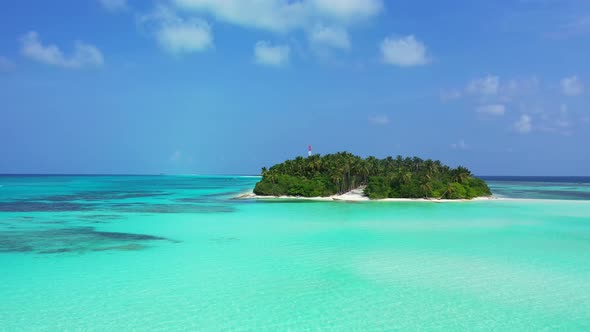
(390, 177)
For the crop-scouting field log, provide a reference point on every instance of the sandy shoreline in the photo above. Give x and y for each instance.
(357, 195)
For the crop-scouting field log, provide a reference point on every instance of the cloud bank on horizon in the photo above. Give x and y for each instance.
(374, 63)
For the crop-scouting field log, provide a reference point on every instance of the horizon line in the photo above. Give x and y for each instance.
(213, 174)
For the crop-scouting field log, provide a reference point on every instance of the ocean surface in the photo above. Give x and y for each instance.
(177, 253)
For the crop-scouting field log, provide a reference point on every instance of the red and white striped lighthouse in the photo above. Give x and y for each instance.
(309, 150)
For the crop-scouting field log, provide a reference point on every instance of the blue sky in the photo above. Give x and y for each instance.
(205, 86)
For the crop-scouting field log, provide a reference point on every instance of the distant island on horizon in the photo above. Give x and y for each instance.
(343, 172)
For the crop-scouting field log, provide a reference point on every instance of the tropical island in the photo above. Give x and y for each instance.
(343, 172)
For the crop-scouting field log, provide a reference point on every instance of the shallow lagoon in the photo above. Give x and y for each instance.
(177, 253)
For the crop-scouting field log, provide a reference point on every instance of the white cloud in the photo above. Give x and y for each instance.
(493, 96)
(524, 125)
(558, 122)
(177, 35)
(379, 119)
(262, 14)
(185, 37)
(572, 86)
(6, 64)
(447, 95)
(347, 10)
(488, 85)
(284, 15)
(84, 54)
(519, 86)
(461, 145)
(492, 109)
(404, 52)
(325, 22)
(492, 89)
(329, 36)
(113, 5)
(267, 54)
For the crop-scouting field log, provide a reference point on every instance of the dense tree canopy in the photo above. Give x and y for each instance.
(383, 178)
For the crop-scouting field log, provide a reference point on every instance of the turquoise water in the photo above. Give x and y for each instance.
(174, 253)
(562, 188)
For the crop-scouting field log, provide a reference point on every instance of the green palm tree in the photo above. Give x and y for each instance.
(461, 174)
(426, 187)
(430, 167)
(447, 192)
(407, 177)
(272, 176)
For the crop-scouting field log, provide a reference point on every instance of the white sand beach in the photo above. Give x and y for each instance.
(357, 195)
